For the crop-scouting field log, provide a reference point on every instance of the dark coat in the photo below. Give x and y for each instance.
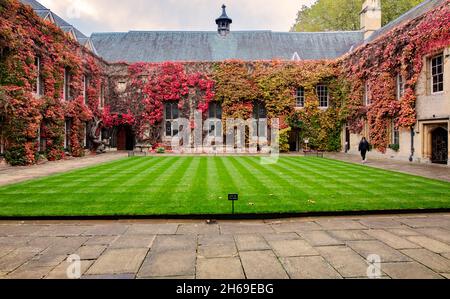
(364, 146)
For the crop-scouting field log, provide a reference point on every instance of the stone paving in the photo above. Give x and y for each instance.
(432, 171)
(410, 246)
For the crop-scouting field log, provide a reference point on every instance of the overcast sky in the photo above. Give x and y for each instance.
(124, 15)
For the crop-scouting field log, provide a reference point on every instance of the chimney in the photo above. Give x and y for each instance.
(370, 17)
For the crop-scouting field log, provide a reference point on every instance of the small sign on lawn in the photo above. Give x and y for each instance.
(233, 198)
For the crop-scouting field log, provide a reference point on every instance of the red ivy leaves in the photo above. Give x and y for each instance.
(400, 51)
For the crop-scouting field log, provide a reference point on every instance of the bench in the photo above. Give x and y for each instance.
(313, 153)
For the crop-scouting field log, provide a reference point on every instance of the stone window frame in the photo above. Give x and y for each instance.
(215, 128)
(323, 94)
(367, 99)
(300, 97)
(400, 86)
(67, 96)
(38, 89)
(101, 100)
(395, 134)
(171, 119)
(86, 82)
(436, 75)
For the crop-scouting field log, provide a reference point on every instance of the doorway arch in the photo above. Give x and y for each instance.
(439, 146)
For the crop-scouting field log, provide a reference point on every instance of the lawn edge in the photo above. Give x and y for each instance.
(261, 216)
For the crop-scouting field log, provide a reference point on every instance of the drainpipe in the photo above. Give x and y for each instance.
(412, 144)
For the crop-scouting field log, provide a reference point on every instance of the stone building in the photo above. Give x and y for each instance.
(427, 141)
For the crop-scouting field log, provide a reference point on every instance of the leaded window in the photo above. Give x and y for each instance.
(323, 95)
(300, 97)
(171, 117)
(437, 73)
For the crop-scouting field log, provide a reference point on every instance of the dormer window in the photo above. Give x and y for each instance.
(300, 97)
(323, 95)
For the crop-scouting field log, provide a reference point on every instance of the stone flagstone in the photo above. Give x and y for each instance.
(409, 270)
(309, 267)
(262, 265)
(168, 263)
(287, 248)
(350, 235)
(251, 242)
(219, 268)
(60, 272)
(430, 244)
(319, 238)
(119, 261)
(392, 240)
(386, 253)
(347, 262)
(429, 259)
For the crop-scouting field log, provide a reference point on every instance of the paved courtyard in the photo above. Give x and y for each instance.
(432, 171)
(410, 246)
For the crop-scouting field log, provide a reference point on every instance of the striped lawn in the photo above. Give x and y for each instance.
(200, 185)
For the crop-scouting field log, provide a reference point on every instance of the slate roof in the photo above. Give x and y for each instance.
(34, 4)
(413, 13)
(43, 12)
(159, 46)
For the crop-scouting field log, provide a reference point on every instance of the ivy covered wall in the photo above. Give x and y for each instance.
(400, 52)
(236, 85)
(30, 46)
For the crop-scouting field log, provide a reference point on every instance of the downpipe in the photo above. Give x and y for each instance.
(411, 157)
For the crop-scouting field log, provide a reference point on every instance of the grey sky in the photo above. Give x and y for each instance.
(123, 15)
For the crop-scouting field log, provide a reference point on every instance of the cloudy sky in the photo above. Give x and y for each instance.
(123, 15)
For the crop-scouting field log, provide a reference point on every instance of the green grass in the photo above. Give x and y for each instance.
(200, 185)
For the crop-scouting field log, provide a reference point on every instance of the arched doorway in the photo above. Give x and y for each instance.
(439, 146)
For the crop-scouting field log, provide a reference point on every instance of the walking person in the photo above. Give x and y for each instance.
(364, 148)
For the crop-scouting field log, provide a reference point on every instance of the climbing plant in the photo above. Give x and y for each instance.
(400, 51)
(29, 44)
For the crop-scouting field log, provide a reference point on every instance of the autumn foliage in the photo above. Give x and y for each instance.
(237, 85)
(25, 39)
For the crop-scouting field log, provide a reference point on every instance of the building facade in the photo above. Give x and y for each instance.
(331, 88)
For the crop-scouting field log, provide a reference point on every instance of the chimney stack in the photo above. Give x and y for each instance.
(370, 17)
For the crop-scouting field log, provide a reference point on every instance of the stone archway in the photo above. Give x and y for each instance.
(439, 146)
